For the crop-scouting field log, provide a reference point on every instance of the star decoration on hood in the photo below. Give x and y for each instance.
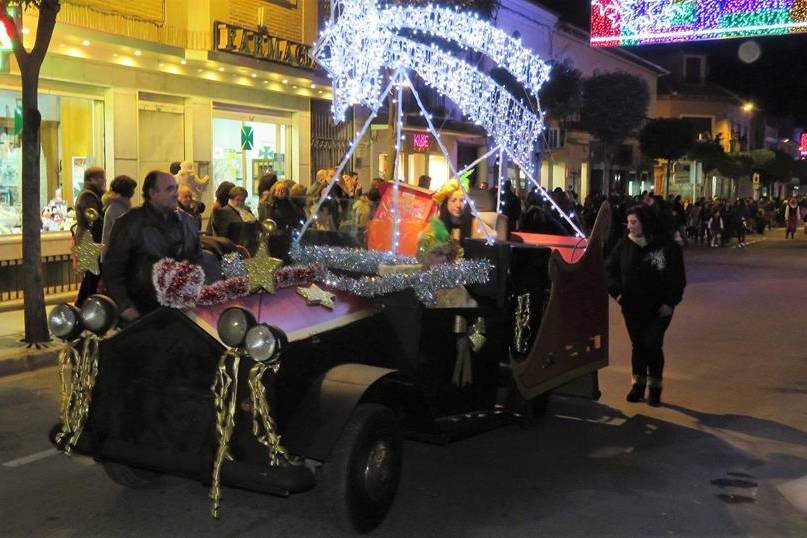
(261, 269)
(87, 252)
(314, 295)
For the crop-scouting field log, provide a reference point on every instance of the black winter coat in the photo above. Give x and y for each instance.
(646, 277)
(139, 238)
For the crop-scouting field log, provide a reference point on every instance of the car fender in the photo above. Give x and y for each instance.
(318, 421)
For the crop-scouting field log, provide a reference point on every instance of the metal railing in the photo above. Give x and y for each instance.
(58, 276)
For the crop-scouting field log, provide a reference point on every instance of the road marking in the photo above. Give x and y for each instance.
(19, 462)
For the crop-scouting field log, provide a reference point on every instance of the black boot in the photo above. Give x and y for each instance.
(654, 396)
(636, 393)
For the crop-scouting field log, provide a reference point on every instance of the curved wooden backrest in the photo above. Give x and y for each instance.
(572, 339)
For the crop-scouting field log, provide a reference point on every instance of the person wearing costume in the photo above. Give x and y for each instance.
(455, 214)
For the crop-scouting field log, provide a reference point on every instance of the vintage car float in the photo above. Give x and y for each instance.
(325, 395)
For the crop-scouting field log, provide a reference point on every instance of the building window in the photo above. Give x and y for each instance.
(244, 149)
(72, 138)
(553, 138)
(693, 70)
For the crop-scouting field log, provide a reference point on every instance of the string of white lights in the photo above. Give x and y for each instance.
(396, 180)
(499, 201)
(469, 31)
(488, 237)
(326, 192)
(355, 47)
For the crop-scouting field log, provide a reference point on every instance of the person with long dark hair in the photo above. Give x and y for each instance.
(456, 213)
(646, 276)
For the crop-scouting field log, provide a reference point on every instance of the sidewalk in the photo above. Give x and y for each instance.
(15, 356)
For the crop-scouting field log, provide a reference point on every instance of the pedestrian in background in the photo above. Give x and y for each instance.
(90, 198)
(646, 276)
(116, 202)
(791, 218)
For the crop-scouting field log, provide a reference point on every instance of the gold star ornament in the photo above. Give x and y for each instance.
(261, 269)
(314, 295)
(87, 252)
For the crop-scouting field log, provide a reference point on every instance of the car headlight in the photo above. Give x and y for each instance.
(234, 324)
(263, 344)
(64, 322)
(99, 313)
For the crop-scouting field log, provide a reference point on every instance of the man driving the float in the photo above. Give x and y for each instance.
(141, 237)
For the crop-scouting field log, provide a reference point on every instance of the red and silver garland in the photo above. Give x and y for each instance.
(182, 284)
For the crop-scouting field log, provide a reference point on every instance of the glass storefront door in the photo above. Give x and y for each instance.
(245, 148)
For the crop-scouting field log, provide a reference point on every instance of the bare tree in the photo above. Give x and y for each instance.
(30, 62)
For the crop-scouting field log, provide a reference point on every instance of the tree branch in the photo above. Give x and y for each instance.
(48, 10)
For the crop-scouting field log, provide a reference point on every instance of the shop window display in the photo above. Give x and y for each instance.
(71, 141)
(244, 150)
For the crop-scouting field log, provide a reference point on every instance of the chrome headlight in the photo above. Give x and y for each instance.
(64, 322)
(99, 314)
(263, 344)
(234, 324)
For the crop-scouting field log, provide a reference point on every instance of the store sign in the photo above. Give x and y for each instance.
(247, 137)
(803, 145)
(421, 141)
(260, 45)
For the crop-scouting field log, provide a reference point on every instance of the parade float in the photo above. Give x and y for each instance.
(281, 377)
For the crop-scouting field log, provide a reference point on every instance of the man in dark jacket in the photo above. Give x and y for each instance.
(143, 236)
(90, 198)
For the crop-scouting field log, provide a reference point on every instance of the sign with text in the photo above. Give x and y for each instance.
(260, 45)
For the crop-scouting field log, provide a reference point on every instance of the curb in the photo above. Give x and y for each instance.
(28, 362)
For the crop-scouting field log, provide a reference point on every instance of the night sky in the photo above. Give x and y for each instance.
(777, 82)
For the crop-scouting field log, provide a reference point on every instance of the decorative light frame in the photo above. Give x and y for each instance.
(356, 47)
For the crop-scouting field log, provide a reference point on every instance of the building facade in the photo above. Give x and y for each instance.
(135, 86)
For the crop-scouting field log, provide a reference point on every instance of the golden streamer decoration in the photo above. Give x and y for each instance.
(76, 401)
(225, 391)
(263, 425)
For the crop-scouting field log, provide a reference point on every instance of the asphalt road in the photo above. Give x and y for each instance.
(715, 460)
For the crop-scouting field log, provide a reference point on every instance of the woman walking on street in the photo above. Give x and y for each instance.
(791, 218)
(646, 276)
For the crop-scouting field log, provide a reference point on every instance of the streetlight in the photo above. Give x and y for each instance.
(748, 107)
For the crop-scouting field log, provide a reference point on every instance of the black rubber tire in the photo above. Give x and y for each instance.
(538, 406)
(130, 477)
(358, 503)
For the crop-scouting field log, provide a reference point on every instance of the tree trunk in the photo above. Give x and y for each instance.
(36, 328)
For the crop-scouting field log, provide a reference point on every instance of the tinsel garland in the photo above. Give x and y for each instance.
(232, 265)
(425, 283)
(181, 284)
(263, 425)
(178, 284)
(346, 259)
(225, 389)
(223, 291)
(76, 405)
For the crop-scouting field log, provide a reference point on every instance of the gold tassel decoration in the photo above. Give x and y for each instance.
(75, 404)
(263, 425)
(225, 390)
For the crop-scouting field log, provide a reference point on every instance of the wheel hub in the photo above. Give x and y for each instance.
(378, 471)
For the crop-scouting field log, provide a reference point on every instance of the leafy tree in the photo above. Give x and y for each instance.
(736, 165)
(561, 95)
(710, 153)
(614, 105)
(780, 168)
(669, 139)
(30, 62)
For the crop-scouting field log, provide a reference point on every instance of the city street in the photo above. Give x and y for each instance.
(722, 456)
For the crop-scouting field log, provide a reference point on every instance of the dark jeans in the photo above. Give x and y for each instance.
(89, 285)
(646, 331)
